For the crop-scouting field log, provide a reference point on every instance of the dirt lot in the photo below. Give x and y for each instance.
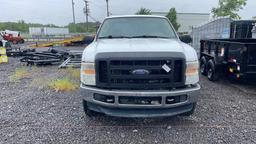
(29, 113)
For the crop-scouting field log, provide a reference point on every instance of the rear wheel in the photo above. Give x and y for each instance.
(87, 111)
(203, 66)
(211, 71)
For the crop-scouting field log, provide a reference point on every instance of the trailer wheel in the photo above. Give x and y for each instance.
(211, 71)
(203, 66)
(87, 111)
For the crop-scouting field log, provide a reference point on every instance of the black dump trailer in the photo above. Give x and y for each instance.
(233, 58)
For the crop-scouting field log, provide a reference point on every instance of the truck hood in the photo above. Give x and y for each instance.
(138, 45)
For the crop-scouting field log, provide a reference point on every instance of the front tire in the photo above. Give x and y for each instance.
(87, 111)
(187, 114)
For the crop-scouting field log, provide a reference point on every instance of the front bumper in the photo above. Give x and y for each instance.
(137, 110)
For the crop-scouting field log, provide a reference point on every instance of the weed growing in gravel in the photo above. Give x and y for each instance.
(74, 73)
(63, 80)
(20, 73)
(40, 82)
(64, 84)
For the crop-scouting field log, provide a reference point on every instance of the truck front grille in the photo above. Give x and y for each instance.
(119, 74)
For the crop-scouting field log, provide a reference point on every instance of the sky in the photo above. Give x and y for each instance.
(59, 12)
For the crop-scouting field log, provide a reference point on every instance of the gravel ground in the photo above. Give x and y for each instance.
(28, 114)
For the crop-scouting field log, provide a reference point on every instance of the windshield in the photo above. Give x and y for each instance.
(140, 27)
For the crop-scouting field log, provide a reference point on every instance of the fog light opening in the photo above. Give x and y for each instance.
(176, 99)
(104, 98)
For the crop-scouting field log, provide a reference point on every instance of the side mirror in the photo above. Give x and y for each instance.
(186, 39)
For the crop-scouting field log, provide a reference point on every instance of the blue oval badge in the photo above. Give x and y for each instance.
(140, 72)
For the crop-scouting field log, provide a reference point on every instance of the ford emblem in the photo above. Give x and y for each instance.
(140, 72)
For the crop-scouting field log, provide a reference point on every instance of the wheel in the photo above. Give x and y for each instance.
(203, 66)
(87, 111)
(190, 112)
(22, 41)
(211, 71)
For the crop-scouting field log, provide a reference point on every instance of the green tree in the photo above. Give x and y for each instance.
(143, 11)
(254, 17)
(229, 8)
(172, 16)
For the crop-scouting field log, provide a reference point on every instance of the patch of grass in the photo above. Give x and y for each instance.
(74, 73)
(64, 84)
(20, 73)
(40, 83)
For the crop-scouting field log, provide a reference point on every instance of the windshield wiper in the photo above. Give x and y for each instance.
(150, 36)
(113, 37)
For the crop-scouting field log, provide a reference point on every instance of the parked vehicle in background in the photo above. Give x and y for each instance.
(138, 67)
(234, 58)
(12, 37)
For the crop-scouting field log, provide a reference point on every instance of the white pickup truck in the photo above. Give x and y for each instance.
(138, 67)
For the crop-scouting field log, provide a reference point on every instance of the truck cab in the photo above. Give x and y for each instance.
(138, 67)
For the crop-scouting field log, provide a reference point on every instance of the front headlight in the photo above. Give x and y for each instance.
(192, 74)
(88, 76)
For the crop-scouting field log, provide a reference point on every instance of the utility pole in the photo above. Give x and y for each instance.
(107, 8)
(86, 12)
(73, 10)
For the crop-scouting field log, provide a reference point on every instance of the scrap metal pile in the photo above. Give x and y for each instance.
(52, 56)
(73, 61)
(17, 51)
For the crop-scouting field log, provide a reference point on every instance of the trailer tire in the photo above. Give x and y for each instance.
(87, 111)
(211, 71)
(203, 66)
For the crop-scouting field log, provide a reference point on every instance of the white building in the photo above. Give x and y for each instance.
(188, 20)
(48, 31)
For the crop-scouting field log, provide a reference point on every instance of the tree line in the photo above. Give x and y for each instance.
(23, 27)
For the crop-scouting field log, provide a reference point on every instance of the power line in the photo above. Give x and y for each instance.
(100, 6)
(93, 18)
